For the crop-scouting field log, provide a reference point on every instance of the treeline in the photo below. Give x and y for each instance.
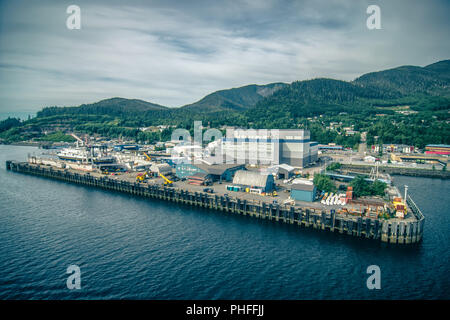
(9, 123)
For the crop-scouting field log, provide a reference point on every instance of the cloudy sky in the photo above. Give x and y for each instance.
(175, 52)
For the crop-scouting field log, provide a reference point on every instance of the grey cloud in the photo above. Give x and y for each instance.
(175, 52)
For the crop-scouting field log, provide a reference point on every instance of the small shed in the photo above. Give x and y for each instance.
(281, 171)
(285, 171)
(303, 192)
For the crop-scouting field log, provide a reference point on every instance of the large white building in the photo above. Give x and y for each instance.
(270, 147)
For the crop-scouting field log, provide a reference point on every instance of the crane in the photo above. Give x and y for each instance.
(147, 156)
(78, 139)
(166, 181)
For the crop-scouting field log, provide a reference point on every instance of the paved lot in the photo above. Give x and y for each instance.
(220, 189)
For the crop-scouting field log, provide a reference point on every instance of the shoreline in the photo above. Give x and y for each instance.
(22, 144)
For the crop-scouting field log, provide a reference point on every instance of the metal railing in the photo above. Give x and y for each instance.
(415, 209)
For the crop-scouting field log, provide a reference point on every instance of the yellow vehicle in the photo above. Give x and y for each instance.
(141, 177)
(399, 207)
(166, 181)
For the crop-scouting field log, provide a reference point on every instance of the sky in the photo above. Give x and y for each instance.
(175, 52)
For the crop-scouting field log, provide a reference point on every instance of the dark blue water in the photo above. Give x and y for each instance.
(133, 248)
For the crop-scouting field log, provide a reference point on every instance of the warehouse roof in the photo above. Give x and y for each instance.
(438, 145)
(161, 167)
(277, 167)
(199, 175)
(286, 167)
(217, 169)
(251, 178)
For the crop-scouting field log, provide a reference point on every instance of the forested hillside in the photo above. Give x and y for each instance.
(236, 99)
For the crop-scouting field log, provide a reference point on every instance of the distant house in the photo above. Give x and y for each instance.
(369, 159)
(351, 132)
(402, 148)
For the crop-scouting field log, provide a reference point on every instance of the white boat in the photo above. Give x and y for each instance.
(82, 155)
(74, 154)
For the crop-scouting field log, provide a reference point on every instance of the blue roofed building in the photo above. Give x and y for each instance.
(218, 172)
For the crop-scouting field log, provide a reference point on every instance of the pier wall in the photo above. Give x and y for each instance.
(361, 227)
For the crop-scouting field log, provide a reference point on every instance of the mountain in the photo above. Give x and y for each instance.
(237, 99)
(442, 68)
(124, 105)
(424, 88)
(313, 97)
(407, 80)
(113, 106)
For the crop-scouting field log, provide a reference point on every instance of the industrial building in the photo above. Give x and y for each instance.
(313, 151)
(270, 147)
(400, 148)
(428, 158)
(217, 172)
(200, 178)
(162, 168)
(331, 147)
(121, 147)
(443, 149)
(281, 171)
(254, 180)
(303, 192)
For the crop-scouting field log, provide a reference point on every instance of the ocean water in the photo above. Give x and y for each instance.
(135, 248)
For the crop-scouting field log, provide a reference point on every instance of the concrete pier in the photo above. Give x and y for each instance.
(390, 231)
